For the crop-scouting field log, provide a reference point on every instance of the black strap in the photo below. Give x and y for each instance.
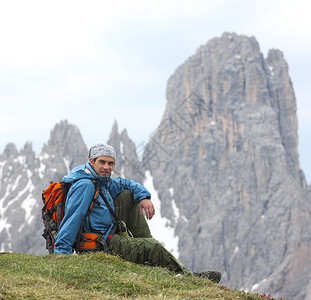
(101, 240)
(58, 212)
(111, 233)
(117, 220)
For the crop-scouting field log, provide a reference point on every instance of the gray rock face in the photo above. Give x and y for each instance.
(227, 147)
(23, 176)
(64, 150)
(127, 164)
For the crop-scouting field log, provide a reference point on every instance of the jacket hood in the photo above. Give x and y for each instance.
(84, 171)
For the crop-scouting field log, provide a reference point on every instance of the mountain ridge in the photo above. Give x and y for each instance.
(223, 162)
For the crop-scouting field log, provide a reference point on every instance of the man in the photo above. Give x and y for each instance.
(128, 199)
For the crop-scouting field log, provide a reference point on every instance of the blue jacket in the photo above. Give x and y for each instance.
(78, 201)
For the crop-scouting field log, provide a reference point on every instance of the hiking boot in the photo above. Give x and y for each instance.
(210, 275)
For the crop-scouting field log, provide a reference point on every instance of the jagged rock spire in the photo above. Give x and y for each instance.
(226, 153)
(127, 164)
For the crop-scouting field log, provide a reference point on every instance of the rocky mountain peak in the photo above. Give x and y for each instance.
(127, 164)
(64, 150)
(9, 151)
(63, 139)
(29, 154)
(225, 153)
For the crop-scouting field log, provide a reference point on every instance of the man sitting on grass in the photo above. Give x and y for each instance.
(127, 199)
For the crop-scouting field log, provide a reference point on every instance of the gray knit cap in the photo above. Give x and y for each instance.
(102, 149)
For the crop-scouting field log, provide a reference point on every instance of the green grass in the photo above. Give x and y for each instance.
(99, 276)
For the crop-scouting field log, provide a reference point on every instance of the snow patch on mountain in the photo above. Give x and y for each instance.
(159, 226)
(16, 183)
(67, 164)
(1, 168)
(20, 159)
(41, 170)
(4, 225)
(28, 205)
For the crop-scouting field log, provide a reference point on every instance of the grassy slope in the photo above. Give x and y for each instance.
(99, 276)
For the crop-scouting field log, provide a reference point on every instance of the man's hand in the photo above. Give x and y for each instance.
(147, 205)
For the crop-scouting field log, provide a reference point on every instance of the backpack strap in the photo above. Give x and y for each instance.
(118, 223)
(100, 239)
(117, 220)
(94, 200)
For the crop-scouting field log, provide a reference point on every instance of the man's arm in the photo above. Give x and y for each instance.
(77, 203)
(137, 190)
(140, 194)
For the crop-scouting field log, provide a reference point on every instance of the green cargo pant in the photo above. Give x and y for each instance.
(142, 248)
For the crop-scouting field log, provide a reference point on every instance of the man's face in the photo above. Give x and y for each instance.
(103, 165)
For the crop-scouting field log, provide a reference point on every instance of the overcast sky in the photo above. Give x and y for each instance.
(93, 62)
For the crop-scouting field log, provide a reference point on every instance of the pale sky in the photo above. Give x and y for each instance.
(93, 62)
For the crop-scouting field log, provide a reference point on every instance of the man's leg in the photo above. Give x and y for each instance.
(143, 248)
(128, 211)
(145, 251)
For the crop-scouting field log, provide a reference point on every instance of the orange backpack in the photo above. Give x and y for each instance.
(54, 199)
